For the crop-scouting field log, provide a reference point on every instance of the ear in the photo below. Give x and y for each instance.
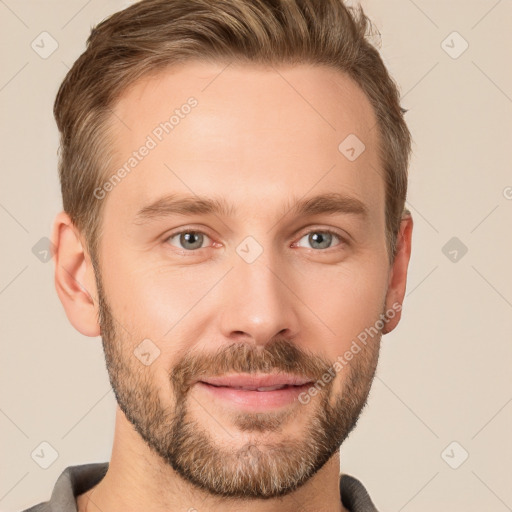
(74, 277)
(398, 273)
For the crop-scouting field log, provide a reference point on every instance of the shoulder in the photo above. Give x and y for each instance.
(354, 495)
(42, 507)
(73, 481)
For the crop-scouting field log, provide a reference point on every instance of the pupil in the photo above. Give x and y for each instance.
(189, 238)
(321, 239)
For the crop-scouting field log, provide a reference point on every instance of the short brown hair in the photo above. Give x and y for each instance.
(153, 34)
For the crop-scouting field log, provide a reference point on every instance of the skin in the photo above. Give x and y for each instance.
(258, 138)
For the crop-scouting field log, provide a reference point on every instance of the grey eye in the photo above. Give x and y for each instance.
(319, 239)
(188, 240)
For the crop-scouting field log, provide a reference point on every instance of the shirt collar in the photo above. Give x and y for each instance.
(76, 480)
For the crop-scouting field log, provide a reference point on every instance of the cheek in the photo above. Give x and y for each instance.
(146, 297)
(347, 300)
(152, 306)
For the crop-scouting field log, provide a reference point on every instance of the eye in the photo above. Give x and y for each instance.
(188, 240)
(320, 239)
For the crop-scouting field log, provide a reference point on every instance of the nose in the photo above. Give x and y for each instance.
(258, 302)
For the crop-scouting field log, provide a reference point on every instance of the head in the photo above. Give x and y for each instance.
(234, 177)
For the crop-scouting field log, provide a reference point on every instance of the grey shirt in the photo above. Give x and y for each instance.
(76, 480)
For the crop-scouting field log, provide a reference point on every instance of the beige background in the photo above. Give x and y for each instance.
(445, 372)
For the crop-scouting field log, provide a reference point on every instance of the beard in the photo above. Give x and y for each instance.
(257, 469)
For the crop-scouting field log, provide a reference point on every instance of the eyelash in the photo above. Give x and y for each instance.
(343, 241)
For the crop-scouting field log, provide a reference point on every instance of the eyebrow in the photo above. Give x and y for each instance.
(178, 204)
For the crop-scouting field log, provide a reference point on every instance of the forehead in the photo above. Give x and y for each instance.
(246, 132)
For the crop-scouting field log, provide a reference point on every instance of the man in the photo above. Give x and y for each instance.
(234, 176)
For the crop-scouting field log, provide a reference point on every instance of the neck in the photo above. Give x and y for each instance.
(138, 479)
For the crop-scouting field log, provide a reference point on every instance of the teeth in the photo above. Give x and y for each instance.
(272, 388)
(267, 388)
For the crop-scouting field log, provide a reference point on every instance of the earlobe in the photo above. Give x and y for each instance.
(398, 273)
(74, 277)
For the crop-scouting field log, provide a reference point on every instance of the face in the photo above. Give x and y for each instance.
(243, 242)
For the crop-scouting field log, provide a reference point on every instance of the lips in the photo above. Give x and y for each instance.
(254, 393)
(263, 382)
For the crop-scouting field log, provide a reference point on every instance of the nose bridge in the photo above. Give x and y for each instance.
(257, 305)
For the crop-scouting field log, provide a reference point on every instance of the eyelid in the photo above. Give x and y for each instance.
(187, 229)
(344, 238)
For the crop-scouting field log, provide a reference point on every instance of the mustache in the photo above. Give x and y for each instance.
(278, 356)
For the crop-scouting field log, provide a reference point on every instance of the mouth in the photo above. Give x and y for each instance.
(263, 382)
(256, 392)
(262, 388)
